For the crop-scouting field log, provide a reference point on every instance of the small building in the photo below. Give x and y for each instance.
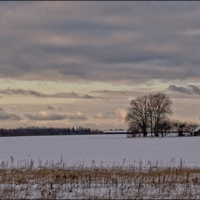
(196, 131)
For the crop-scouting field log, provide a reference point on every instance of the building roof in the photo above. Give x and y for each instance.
(196, 129)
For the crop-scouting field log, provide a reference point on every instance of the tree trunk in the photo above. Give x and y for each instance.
(180, 133)
(145, 134)
(156, 134)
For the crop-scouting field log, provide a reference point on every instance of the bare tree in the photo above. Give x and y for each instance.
(135, 130)
(179, 126)
(159, 110)
(137, 117)
(165, 127)
(148, 112)
(182, 127)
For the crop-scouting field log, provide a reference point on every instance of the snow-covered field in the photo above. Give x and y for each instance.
(106, 149)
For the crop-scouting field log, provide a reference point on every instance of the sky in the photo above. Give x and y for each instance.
(71, 64)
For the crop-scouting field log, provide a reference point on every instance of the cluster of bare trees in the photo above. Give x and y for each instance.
(152, 114)
(183, 127)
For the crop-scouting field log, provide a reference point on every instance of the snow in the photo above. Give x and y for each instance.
(106, 149)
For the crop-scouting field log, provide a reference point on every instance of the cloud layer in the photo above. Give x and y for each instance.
(50, 116)
(100, 41)
(8, 116)
(43, 115)
(39, 94)
(190, 89)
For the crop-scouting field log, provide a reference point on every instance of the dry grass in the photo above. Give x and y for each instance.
(59, 181)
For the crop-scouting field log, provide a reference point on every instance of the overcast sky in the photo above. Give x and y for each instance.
(65, 64)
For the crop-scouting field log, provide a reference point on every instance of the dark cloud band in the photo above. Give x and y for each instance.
(38, 94)
(190, 89)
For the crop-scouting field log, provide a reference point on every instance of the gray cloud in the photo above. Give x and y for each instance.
(114, 93)
(50, 107)
(22, 92)
(195, 89)
(8, 116)
(100, 41)
(38, 94)
(179, 89)
(78, 116)
(190, 89)
(45, 116)
(102, 116)
(123, 94)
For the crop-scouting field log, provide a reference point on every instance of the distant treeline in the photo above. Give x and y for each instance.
(35, 131)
